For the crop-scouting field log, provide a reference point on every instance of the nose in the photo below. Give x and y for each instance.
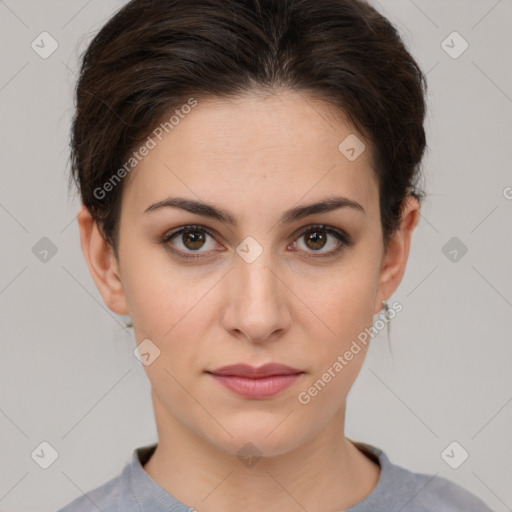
(257, 300)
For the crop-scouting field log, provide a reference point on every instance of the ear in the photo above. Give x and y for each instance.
(102, 263)
(395, 259)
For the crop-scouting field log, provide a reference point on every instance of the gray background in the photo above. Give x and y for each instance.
(67, 372)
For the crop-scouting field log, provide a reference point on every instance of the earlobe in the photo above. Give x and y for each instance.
(102, 263)
(397, 253)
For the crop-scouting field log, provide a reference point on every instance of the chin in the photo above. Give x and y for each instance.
(265, 437)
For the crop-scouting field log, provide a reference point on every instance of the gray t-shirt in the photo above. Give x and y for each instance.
(397, 490)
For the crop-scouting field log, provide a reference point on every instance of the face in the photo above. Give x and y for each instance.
(263, 287)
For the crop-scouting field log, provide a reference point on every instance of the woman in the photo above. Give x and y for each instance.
(248, 171)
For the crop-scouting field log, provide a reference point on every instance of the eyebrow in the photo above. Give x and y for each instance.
(207, 210)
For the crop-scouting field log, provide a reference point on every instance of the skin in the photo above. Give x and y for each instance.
(255, 156)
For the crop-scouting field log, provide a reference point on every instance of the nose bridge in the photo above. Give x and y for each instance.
(258, 281)
(257, 306)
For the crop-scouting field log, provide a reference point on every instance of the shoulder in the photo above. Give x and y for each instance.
(401, 489)
(131, 491)
(106, 498)
(433, 492)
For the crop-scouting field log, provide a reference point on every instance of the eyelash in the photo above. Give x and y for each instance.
(341, 236)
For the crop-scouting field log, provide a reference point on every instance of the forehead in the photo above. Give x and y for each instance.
(272, 148)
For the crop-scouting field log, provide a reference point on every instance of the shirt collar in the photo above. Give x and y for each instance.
(146, 494)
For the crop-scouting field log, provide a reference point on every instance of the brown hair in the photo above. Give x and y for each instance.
(153, 56)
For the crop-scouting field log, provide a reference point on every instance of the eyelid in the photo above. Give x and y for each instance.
(326, 227)
(189, 227)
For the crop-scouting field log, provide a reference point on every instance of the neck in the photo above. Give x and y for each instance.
(327, 473)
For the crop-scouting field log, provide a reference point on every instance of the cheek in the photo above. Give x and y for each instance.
(160, 294)
(168, 310)
(336, 359)
(342, 301)
(173, 310)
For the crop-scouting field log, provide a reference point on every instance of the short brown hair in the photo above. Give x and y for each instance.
(154, 55)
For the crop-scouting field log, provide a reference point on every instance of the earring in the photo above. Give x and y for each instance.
(386, 308)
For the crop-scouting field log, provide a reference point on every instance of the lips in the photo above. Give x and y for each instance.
(267, 370)
(256, 383)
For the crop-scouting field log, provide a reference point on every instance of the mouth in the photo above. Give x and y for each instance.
(250, 382)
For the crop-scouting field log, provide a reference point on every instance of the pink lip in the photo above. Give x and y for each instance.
(251, 382)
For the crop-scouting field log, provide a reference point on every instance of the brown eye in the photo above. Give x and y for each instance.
(189, 239)
(315, 239)
(193, 240)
